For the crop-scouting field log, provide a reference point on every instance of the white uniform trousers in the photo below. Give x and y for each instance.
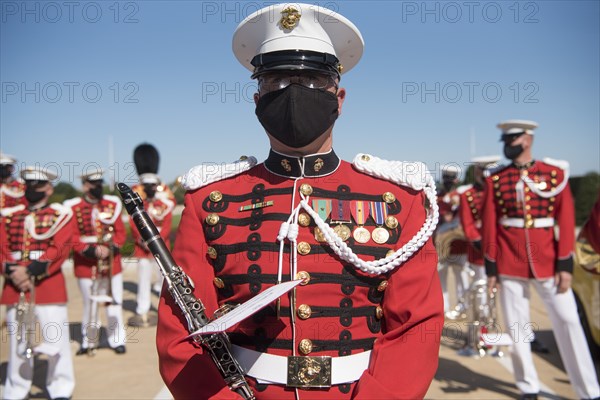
(114, 313)
(147, 268)
(562, 310)
(459, 265)
(53, 322)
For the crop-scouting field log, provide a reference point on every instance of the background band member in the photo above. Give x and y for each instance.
(160, 209)
(11, 189)
(368, 303)
(525, 201)
(450, 239)
(35, 240)
(102, 233)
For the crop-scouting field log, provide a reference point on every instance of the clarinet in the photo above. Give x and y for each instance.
(181, 288)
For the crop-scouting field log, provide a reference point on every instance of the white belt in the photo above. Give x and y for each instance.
(33, 255)
(520, 222)
(88, 239)
(271, 368)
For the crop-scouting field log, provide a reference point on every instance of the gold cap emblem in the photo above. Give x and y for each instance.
(290, 17)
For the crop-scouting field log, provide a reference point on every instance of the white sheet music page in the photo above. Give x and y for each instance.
(245, 310)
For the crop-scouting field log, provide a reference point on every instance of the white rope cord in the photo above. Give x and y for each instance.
(550, 193)
(64, 216)
(413, 175)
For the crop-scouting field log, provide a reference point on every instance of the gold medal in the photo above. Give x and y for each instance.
(380, 235)
(361, 235)
(342, 231)
(319, 237)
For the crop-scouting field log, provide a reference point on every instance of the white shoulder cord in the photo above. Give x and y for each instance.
(396, 172)
(546, 195)
(65, 216)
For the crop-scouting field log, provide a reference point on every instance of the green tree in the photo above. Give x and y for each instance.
(64, 191)
(585, 191)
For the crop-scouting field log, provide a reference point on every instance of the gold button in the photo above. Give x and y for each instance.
(496, 185)
(212, 252)
(500, 201)
(553, 173)
(243, 158)
(527, 198)
(389, 253)
(553, 181)
(528, 206)
(382, 286)
(550, 208)
(378, 312)
(219, 283)
(470, 198)
(552, 199)
(215, 196)
(391, 222)
(498, 194)
(305, 276)
(504, 210)
(365, 157)
(306, 189)
(527, 189)
(528, 223)
(212, 219)
(303, 219)
(495, 178)
(304, 311)
(388, 197)
(524, 172)
(305, 346)
(303, 248)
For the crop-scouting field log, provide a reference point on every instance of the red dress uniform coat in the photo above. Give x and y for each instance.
(94, 222)
(12, 194)
(530, 250)
(232, 255)
(160, 211)
(54, 235)
(470, 212)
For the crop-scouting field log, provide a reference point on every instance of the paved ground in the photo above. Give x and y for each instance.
(134, 375)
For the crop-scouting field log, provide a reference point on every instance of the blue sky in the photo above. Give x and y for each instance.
(434, 80)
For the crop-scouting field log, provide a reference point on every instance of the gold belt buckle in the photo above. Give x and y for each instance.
(309, 372)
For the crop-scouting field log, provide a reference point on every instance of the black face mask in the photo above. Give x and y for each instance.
(447, 185)
(512, 152)
(5, 171)
(96, 192)
(33, 196)
(297, 115)
(150, 191)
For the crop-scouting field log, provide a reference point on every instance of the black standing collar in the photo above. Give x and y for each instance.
(525, 166)
(314, 165)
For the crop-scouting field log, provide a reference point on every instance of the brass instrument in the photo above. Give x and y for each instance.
(446, 234)
(26, 329)
(101, 292)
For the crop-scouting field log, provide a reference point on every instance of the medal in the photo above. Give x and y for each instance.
(360, 212)
(342, 231)
(379, 213)
(340, 213)
(380, 235)
(361, 235)
(322, 207)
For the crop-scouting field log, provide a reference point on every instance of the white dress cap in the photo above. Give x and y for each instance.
(92, 174)
(450, 170)
(515, 126)
(149, 178)
(38, 173)
(484, 161)
(7, 159)
(297, 27)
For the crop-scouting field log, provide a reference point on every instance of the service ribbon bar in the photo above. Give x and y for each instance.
(379, 211)
(256, 205)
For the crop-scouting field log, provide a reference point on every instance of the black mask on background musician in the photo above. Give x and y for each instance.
(96, 191)
(297, 115)
(5, 171)
(32, 195)
(512, 152)
(150, 191)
